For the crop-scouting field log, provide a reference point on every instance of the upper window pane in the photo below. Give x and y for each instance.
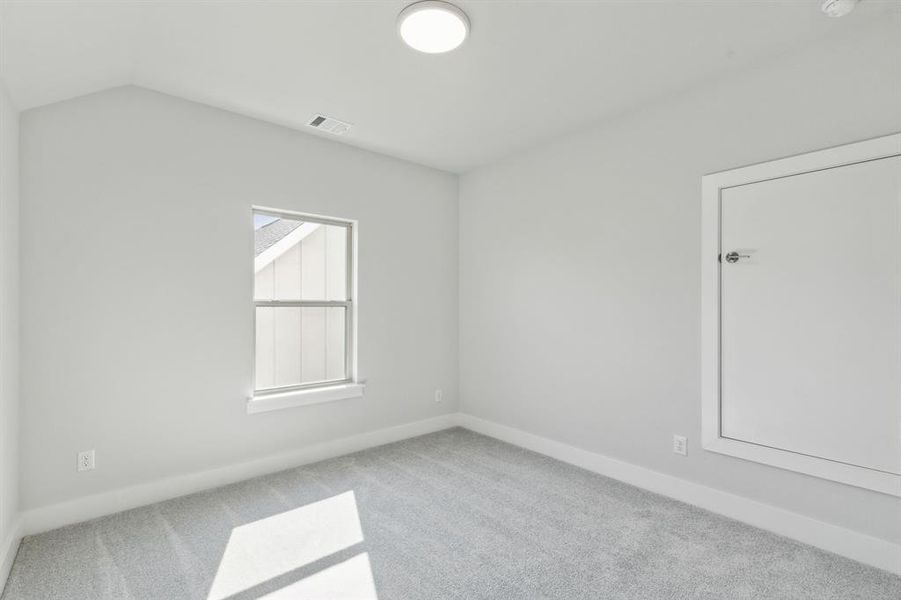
(299, 260)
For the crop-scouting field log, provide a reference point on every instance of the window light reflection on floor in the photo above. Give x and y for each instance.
(348, 580)
(275, 546)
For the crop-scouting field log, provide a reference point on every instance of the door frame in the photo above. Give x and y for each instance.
(712, 186)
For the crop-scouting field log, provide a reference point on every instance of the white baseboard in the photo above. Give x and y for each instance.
(8, 549)
(45, 518)
(857, 546)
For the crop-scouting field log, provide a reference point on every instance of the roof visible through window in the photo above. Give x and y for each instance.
(269, 234)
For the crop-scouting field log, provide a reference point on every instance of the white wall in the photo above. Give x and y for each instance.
(579, 264)
(9, 326)
(136, 203)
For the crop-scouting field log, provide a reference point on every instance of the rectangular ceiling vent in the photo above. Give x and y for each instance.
(329, 125)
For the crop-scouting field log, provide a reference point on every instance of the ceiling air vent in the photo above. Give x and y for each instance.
(329, 125)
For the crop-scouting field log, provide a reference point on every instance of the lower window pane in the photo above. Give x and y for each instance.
(296, 345)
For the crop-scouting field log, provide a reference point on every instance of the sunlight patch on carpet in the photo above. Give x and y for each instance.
(265, 549)
(348, 580)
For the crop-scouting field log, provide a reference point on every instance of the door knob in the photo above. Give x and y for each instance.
(734, 257)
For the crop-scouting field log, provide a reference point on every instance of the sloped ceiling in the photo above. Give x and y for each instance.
(531, 69)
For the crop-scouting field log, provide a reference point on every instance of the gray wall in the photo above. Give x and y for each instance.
(137, 279)
(579, 265)
(9, 317)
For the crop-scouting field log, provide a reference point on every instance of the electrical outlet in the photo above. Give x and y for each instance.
(439, 395)
(86, 460)
(680, 445)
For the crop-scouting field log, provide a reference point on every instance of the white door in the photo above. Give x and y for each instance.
(810, 332)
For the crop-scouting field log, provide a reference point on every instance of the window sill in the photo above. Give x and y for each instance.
(278, 401)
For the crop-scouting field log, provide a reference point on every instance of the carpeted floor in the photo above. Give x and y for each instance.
(448, 515)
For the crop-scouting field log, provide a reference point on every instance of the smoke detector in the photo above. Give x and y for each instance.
(329, 125)
(838, 8)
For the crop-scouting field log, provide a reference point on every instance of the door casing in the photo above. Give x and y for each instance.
(712, 184)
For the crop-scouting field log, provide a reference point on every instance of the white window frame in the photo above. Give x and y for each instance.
(711, 295)
(266, 399)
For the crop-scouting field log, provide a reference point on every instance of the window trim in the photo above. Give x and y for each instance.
(316, 395)
(318, 391)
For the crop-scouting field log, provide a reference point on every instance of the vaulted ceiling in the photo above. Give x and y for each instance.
(530, 70)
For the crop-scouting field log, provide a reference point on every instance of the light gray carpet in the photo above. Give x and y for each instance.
(448, 515)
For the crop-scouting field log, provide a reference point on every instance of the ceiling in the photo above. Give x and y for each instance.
(530, 70)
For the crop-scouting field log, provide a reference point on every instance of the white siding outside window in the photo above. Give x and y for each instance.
(303, 302)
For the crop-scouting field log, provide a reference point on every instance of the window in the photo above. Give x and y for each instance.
(303, 297)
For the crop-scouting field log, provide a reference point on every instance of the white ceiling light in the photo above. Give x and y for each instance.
(432, 26)
(838, 8)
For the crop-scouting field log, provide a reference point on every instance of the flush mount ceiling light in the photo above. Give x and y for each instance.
(838, 8)
(432, 26)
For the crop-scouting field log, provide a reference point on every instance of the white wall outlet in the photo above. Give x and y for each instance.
(680, 445)
(86, 460)
(439, 395)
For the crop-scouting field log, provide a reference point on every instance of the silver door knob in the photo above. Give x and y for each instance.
(734, 257)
